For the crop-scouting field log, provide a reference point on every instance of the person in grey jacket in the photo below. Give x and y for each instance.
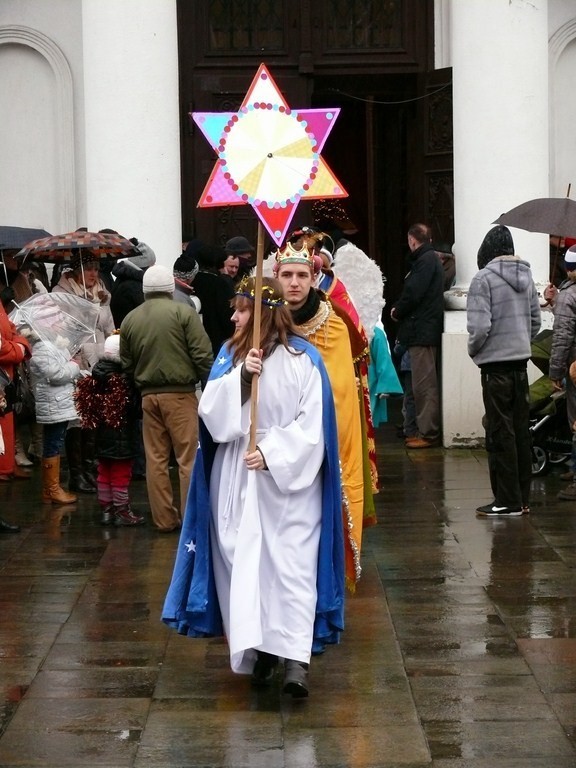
(563, 352)
(503, 318)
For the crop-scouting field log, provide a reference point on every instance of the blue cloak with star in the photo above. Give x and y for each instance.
(191, 603)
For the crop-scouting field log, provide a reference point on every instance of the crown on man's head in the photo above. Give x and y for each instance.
(291, 254)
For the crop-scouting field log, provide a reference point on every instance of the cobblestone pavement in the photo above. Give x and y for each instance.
(459, 649)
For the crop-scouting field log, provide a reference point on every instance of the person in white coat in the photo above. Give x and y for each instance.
(52, 374)
(276, 534)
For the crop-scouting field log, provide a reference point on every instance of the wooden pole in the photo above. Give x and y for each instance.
(256, 334)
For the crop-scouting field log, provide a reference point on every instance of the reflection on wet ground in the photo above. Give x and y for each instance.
(459, 650)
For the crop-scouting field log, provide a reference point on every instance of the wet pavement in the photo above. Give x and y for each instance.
(459, 650)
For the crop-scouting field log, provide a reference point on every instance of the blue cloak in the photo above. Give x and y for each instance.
(191, 603)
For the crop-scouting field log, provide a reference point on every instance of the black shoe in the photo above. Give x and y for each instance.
(108, 516)
(296, 679)
(8, 527)
(79, 484)
(264, 670)
(491, 510)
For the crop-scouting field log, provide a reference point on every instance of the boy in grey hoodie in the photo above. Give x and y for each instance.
(503, 318)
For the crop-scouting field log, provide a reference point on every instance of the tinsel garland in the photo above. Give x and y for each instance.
(103, 404)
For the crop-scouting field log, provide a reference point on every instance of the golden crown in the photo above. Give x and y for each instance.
(246, 288)
(290, 254)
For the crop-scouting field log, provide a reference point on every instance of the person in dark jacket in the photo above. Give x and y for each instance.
(108, 403)
(127, 291)
(215, 293)
(420, 314)
(503, 318)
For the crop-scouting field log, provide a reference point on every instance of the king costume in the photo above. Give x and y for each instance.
(261, 553)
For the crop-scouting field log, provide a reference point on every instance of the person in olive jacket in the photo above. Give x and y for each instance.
(420, 314)
(165, 348)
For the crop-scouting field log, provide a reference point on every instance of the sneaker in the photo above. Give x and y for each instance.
(125, 516)
(491, 510)
(567, 476)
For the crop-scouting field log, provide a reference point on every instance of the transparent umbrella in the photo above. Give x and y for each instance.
(63, 320)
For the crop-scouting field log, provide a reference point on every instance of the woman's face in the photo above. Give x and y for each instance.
(241, 316)
(90, 273)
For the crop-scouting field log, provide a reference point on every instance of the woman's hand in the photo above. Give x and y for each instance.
(254, 460)
(253, 362)
(550, 293)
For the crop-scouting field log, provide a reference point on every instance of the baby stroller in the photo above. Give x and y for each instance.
(551, 435)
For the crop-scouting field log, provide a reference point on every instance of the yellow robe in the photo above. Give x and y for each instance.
(330, 336)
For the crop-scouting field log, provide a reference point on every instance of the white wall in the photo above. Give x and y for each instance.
(41, 151)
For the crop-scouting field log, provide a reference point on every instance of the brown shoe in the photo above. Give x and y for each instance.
(567, 476)
(421, 442)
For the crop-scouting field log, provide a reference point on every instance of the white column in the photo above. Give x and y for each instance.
(130, 53)
(501, 150)
(501, 159)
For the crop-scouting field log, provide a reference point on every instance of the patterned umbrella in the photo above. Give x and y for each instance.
(63, 247)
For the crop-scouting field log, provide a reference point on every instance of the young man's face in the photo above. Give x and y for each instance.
(296, 281)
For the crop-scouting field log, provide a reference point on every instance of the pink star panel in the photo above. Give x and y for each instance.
(268, 155)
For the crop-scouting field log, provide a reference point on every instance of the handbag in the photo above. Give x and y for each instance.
(8, 390)
(25, 404)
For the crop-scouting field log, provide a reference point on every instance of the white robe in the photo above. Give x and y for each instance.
(266, 523)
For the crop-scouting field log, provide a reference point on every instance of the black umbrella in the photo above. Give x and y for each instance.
(14, 238)
(549, 215)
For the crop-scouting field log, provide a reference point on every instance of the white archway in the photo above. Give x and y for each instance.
(562, 62)
(63, 116)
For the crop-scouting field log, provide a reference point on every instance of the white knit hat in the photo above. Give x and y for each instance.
(112, 346)
(158, 279)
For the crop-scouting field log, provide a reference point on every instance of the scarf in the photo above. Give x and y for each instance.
(308, 309)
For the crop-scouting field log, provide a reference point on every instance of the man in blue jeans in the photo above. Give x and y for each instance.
(503, 318)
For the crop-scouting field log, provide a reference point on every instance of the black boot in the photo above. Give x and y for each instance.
(264, 669)
(296, 679)
(73, 444)
(8, 527)
(89, 462)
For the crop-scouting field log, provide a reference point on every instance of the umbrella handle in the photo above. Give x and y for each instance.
(256, 335)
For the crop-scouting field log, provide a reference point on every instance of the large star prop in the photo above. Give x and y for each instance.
(268, 155)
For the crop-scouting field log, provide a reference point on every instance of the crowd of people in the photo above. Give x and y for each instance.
(265, 402)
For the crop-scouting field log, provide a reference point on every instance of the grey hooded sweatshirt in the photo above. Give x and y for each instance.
(503, 312)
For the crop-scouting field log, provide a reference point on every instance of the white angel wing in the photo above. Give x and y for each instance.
(364, 282)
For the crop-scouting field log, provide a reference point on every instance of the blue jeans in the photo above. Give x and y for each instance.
(53, 439)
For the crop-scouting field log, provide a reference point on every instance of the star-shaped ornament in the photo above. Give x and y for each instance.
(268, 155)
(191, 547)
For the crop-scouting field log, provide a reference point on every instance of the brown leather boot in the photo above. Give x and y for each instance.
(52, 492)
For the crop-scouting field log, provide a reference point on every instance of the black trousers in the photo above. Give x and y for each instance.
(506, 401)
